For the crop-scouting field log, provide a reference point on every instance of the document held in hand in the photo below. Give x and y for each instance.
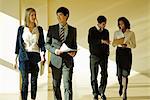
(65, 48)
(118, 38)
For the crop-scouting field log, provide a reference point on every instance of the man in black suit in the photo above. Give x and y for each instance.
(98, 39)
(61, 62)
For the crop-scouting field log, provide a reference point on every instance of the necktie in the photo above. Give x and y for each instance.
(100, 30)
(62, 34)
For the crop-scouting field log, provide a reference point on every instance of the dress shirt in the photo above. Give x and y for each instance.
(65, 30)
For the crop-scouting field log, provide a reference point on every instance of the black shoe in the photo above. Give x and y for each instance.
(103, 97)
(120, 90)
(100, 91)
(95, 97)
(125, 96)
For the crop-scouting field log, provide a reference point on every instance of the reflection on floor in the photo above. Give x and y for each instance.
(139, 84)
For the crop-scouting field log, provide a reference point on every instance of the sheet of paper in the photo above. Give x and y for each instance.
(65, 48)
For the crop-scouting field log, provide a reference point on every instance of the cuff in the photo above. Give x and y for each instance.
(56, 51)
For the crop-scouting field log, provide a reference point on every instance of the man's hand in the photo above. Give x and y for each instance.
(58, 52)
(105, 42)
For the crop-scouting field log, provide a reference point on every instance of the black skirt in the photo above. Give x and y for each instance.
(124, 58)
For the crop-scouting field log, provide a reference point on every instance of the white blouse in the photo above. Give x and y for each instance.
(31, 39)
(118, 34)
(129, 38)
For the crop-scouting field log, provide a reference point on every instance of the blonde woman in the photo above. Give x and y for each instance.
(29, 51)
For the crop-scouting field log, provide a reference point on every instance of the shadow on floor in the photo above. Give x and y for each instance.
(89, 97)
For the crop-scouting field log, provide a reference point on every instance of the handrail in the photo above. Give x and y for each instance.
(7, 64)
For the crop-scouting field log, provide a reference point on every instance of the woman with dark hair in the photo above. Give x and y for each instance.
(29, 51)
(124, 39)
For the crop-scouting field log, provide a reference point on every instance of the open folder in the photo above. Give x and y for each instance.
(65, 48)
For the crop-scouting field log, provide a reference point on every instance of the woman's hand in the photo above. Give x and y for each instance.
(43, 60)
(124, 45)
(15, 64)
(72, 53)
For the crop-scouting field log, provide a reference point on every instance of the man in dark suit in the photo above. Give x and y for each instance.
(61, 62)
(98, 39)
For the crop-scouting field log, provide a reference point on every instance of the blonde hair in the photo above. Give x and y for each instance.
(27, 16)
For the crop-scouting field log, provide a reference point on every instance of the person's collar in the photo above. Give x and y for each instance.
(98, 28)
(60, 25)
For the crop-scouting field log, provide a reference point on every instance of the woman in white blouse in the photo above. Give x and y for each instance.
(29, 51)
(124, 39)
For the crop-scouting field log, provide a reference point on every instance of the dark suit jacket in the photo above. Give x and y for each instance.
(20, 47)
(53, 42)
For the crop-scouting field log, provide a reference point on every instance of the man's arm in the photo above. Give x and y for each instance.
(74, 45)
(106, 41)
(49, 41)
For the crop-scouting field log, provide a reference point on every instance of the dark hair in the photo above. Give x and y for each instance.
(63, 10)
(126, 22)
(101, 19)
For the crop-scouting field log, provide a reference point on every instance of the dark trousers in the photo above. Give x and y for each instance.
(94, 68)
(67, 80)
(25, 68)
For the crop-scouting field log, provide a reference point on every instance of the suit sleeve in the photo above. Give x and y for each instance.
(41, 39)
(75, 39)
(49, 41)
(17, 41)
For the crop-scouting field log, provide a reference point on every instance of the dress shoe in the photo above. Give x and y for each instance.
(95, 97)
(120, 90)
(125, 96)
(103, 97)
